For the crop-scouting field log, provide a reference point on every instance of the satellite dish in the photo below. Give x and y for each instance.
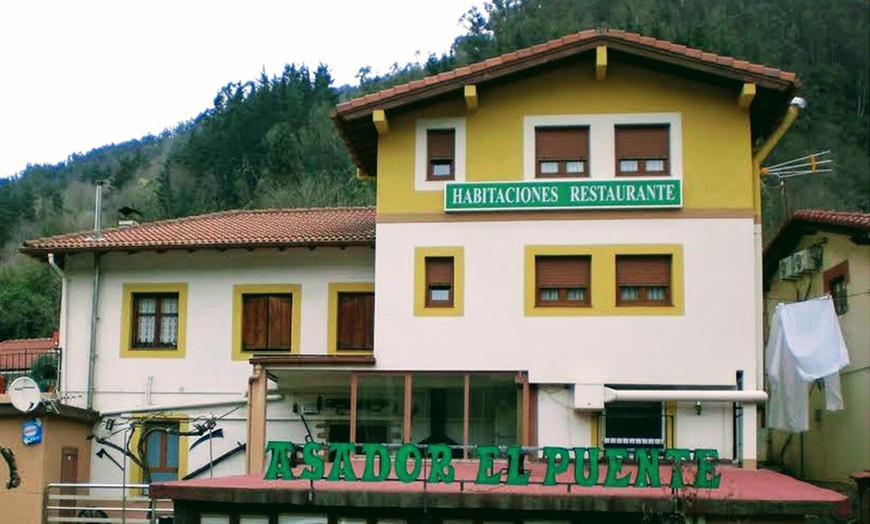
(24, 394)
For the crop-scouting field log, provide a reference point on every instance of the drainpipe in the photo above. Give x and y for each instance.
(760, 155)
(64, 312)
(92, 353)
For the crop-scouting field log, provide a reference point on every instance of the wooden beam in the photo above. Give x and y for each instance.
(256, 420)
(527, 403)
(471, 98)
(601, 62)
(466, 415)
(354, 382)
(406, 422)
(379, 117)
(746, 95)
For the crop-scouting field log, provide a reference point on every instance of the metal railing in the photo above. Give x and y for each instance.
(103, 503)
(40, 364)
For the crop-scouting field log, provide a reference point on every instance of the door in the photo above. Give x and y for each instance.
(69, 468)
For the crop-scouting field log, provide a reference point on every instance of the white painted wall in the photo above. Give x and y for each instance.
(705, 346)
(558, 423)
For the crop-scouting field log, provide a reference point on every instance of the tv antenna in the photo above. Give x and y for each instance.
(775, 176)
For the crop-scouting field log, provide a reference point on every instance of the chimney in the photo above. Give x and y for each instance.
(98, 210)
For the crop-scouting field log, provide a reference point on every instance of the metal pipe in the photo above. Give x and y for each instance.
(177, 407)
(765, 149)
(64, 310)
(685, 395)
(92, 352)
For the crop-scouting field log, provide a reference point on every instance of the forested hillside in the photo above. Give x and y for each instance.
(269, 142)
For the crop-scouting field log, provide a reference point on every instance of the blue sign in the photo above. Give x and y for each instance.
(31, 432)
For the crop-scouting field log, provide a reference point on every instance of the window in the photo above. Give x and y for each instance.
(642, 150)
(356, 321)
(267, 322)
(562, 281)
(643, 280)
(155, 320)
(634, 424)
(561, 151)
(161, 450)
(439, 281)
(835, 280)
(440, 154)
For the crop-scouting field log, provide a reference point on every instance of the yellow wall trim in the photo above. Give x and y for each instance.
(747, 93)
(670, 424)
(439, 216)
(471, 99)
(602, 281)
(332, 321)
(127, 350)
(136, 475)
(601, 62)
(420, 255)
(295, 322)
(379, 117)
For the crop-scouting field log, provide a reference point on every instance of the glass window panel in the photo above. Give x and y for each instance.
(169, 306)
(656, 292)
(549, 168)
(147, 306)
(655, 165)
(628, 166)
(214, 519)
(627, 293)
(145, 330)
(163, 476)
(439, 294)
(171, 451)
(254, 519)
(575, 167)
(302, 519)
(169, 331)
(576, 294)
(549, 294)
(153, 449)
(442, 169)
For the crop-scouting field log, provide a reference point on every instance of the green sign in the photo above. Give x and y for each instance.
(564, 194)
(407, 465)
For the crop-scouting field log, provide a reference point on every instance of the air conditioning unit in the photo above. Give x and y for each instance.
(804, 262)
(786, 271)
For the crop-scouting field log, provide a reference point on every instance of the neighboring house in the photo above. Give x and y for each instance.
(568, 254)
(17, 359)
(834, 252)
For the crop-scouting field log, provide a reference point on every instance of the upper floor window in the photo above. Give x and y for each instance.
(267, 321)
(439, 281)
(356, 321)
(643, 280)
(642, 150)
(562, 281)
(835, 280)
(441, 154)
(155, 321)
(561, 151)
(634, 424)
(161, 450)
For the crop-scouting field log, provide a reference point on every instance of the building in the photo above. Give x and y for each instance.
(553, 229)
(20, 357)
(835, 246)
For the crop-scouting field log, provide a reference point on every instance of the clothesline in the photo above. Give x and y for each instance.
(820, 297)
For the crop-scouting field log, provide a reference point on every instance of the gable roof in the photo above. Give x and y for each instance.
(776, 87)
(853, 224)
(249, 229)
(19, 354)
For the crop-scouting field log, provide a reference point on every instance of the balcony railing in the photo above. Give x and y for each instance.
(41, 365)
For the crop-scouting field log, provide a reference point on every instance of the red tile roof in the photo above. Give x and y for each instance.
(229, 229)
(614, 36)
(834, 218)
(19, 354)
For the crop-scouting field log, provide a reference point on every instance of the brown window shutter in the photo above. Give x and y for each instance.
(642, 142)
(561, 143)
(643, 270)
(356, 319)
(439, 271)
(440, 143)
(254, 314)
(280, 321)
(562, 271)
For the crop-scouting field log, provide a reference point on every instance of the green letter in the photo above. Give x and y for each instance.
(279, 465)
(379, 450)
(647, 468)
(485, 455)
(553, 454)
(514, 477)
(677, 457)
(402, 456)
(707, 476)
(580, 464)
(313, 460)
(341, 468)
(442, 470)
(614, 458)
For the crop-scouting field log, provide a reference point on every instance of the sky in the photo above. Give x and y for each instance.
(76, 75)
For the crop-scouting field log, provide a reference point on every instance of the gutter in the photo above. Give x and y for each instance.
(761, 154)
(64, 310)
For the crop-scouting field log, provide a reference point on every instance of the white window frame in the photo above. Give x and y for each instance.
(420, 157)
(601, 162)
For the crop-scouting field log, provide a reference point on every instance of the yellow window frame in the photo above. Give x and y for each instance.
(128, 290)
(136, 474)
(332, 319)
(420, 256)
(240, 290)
